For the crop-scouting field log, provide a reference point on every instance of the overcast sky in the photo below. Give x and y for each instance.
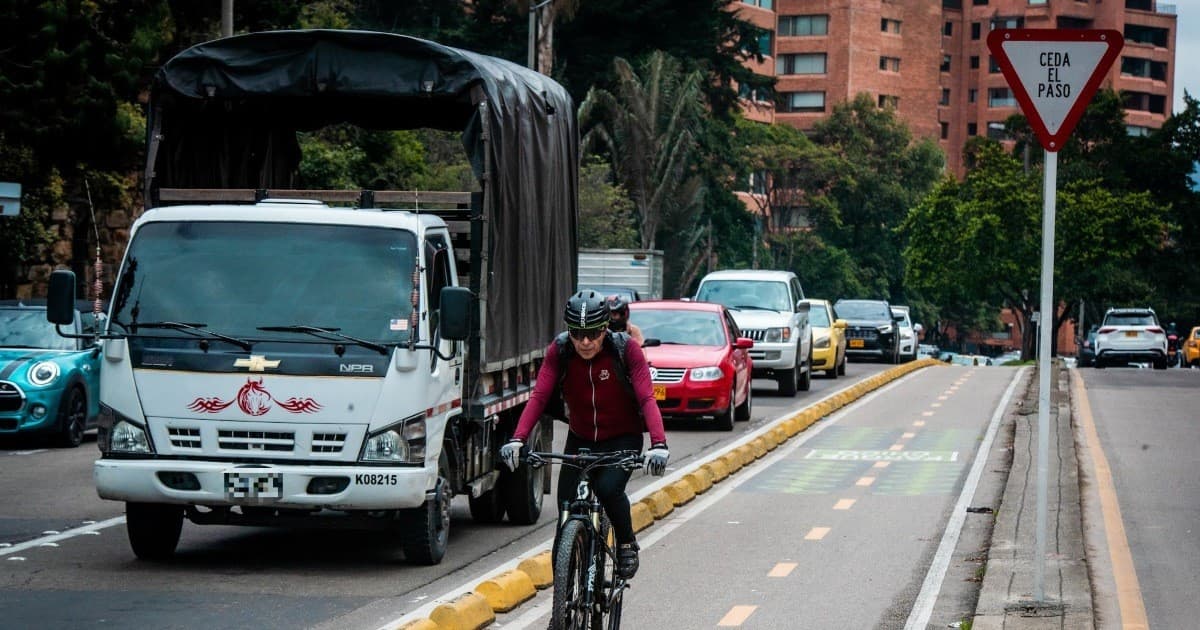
(1187, 50)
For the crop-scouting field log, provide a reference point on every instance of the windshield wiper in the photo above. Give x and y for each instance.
(752, 306)
(197, 330)
(317, 331)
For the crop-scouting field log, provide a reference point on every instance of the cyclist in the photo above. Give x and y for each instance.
(618, 313)
(604, 413)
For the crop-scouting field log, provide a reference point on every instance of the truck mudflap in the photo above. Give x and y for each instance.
(266, 485)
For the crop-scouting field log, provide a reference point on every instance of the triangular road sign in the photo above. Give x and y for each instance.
(1054, 73)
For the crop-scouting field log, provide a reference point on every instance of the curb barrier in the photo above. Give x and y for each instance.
(506, 591)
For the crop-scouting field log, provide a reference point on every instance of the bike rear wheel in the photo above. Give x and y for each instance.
(571, 610)
(614, 610)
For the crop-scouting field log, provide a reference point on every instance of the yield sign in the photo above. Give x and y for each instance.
(1054, 73)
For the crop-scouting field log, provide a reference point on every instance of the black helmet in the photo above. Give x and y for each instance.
(618, 306)
(586, 309)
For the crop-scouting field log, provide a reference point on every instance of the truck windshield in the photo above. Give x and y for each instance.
(238, 276)
(742, 294)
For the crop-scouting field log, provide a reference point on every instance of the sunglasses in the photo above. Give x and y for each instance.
(591, 334)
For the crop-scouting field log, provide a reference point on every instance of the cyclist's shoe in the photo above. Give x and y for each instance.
(627, 560)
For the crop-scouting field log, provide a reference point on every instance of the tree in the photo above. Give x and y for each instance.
(605, 210)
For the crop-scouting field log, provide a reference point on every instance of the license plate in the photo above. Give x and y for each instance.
(660, 392)
(253, 485)
(1131, 333)
(857, 343)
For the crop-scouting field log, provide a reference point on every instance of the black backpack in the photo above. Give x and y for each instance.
(616, 342)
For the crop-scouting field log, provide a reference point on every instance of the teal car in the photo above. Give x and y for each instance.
(49, 384)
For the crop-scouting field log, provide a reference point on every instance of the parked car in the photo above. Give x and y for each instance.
(1191, 348)
(871, 329)
(1131, 335)
(829, 338)
(49, 384)
(769, 307)
(1086, 356)
(908, 334)
(700, 365)
(630, 295)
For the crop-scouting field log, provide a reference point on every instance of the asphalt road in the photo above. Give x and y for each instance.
(254, 577)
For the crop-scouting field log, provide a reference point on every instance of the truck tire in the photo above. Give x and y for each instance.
(153, 529)
(521, 489)
(425, 530)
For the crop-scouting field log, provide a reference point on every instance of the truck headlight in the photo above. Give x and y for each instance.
(821, 342)
(43, 373)
(127, 437)
(777, 335)
(710, 373)
(401, 443)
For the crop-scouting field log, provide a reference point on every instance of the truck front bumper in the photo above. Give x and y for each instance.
(210, 483)
(769, 357)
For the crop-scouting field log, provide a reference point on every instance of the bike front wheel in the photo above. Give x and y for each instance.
(572, 608)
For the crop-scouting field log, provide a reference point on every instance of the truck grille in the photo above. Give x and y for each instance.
(861, 333)
(184, 437)
(276, 441)
(11, 398)
(755, 334)
(667, 375)
(328, 442)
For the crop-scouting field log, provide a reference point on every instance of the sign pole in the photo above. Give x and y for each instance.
(1045, 329)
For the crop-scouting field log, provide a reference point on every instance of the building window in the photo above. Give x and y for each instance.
(803, 102)
(948, 29)
(1065, 21)
(945, 100)
(945, 129)
(757, 94)
(1156, 37)
(996, 131)
(808, 63)
(993, 65)
(979, 3)
(889, 102)
(1138, 130)
(945, 63)
(1144, 68)
(1140, 5)
(1009, 22)
(800, 25)
(1145, 102)
(766, 4)
(888, 25)
(952, 4)
(765, 43)
(1034, 3)
(889, 64)
(974, 62)
(972, 129)
(971, 94)
(976, 30)
(1001, 97)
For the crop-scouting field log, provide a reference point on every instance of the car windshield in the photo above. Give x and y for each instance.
(28, 328)
(1130, 319)
(818, 316)
(863, 310)
(741, 294)
(233, 277)
(905, 323)
(673, 326)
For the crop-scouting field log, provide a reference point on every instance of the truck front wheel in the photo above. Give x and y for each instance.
(521, 489)
(425, 530)
(153, 529)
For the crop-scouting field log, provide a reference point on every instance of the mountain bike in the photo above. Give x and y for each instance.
(586, 587)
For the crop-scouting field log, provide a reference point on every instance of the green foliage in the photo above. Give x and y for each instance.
(825, 271)
(335, 14)
(350, 157)
(605, 210)
(23, 237)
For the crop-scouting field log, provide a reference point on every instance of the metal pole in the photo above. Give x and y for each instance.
(531, 62)
(1045, 327)
(226, 18)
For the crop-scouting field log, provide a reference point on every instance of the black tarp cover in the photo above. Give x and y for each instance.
(224, 114)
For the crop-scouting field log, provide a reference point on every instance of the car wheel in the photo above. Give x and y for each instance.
(842, 366)
(725, 418)
(806, 375)
(787, 380)
(72, 417)
(746, 408)
(1160, 364)
(1099, 364)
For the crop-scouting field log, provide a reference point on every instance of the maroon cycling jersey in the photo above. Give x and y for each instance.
(598, 403)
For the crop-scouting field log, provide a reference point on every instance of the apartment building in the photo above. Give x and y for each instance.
(929, 60)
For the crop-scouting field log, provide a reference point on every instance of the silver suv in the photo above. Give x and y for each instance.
(1131, 335)
(769, 307)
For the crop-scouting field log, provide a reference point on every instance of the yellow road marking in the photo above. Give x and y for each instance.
(926, 413)
(908, 435)
(843, 504)
(1129, 593)
(864, 481)
(936, 405)
(783, 569)
(896, 447)
(737, 615)
(881, 464)
(816, 533)
(919, 423)
(943, 397)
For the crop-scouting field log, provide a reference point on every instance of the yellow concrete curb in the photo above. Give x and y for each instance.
(660, 504)
(506, 591)
(759, 446)
(540, 569)
(469, 611)
(732, 461)
(643, 516)
(717, 469)
(681, 492)
(700, 479)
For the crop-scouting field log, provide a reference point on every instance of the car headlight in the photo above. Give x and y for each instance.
(401, 443)
(710, 373)
(884, 329)
(43, 373)
(821, 342)
(127, 437)
(776, 335)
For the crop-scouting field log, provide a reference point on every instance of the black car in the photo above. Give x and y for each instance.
(871, 329)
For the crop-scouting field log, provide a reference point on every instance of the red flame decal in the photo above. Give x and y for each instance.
(254, 400)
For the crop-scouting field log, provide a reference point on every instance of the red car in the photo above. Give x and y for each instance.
(701, 365)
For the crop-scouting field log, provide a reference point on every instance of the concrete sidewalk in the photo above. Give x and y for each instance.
(1006, 597)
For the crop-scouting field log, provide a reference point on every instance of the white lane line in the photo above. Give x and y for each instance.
(45, 541)
(918, 619)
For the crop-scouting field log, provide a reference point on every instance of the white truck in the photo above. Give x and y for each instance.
(273, 358)
(621, 271)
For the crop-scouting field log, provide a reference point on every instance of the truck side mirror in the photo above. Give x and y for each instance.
(455, 303)
(802, 306)
(60, 301)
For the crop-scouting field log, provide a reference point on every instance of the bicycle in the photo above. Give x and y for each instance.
(586, 587)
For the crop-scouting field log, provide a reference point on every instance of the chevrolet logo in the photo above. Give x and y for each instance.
(256, 363)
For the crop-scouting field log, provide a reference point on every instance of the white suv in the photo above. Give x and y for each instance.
(1131, 335)
(769, 307)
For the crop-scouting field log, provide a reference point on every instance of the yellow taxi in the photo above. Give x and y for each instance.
(829, 338)
(1191, 348)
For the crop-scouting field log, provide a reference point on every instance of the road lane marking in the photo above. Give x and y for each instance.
(918, 619)
(896, 447)
(926, 413)
(919, 423)
(883, 464)
(864, 481)
(816, 533)
(936, 405)
(943, 397)
(908, 435)
(1129, 593)
(737, 615)
(70, 533)
(846, 504)
(782, 570)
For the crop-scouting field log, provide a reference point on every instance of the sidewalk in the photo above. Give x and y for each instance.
(1006, 598)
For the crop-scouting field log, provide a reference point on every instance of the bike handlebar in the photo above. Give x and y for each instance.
(586, 460)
